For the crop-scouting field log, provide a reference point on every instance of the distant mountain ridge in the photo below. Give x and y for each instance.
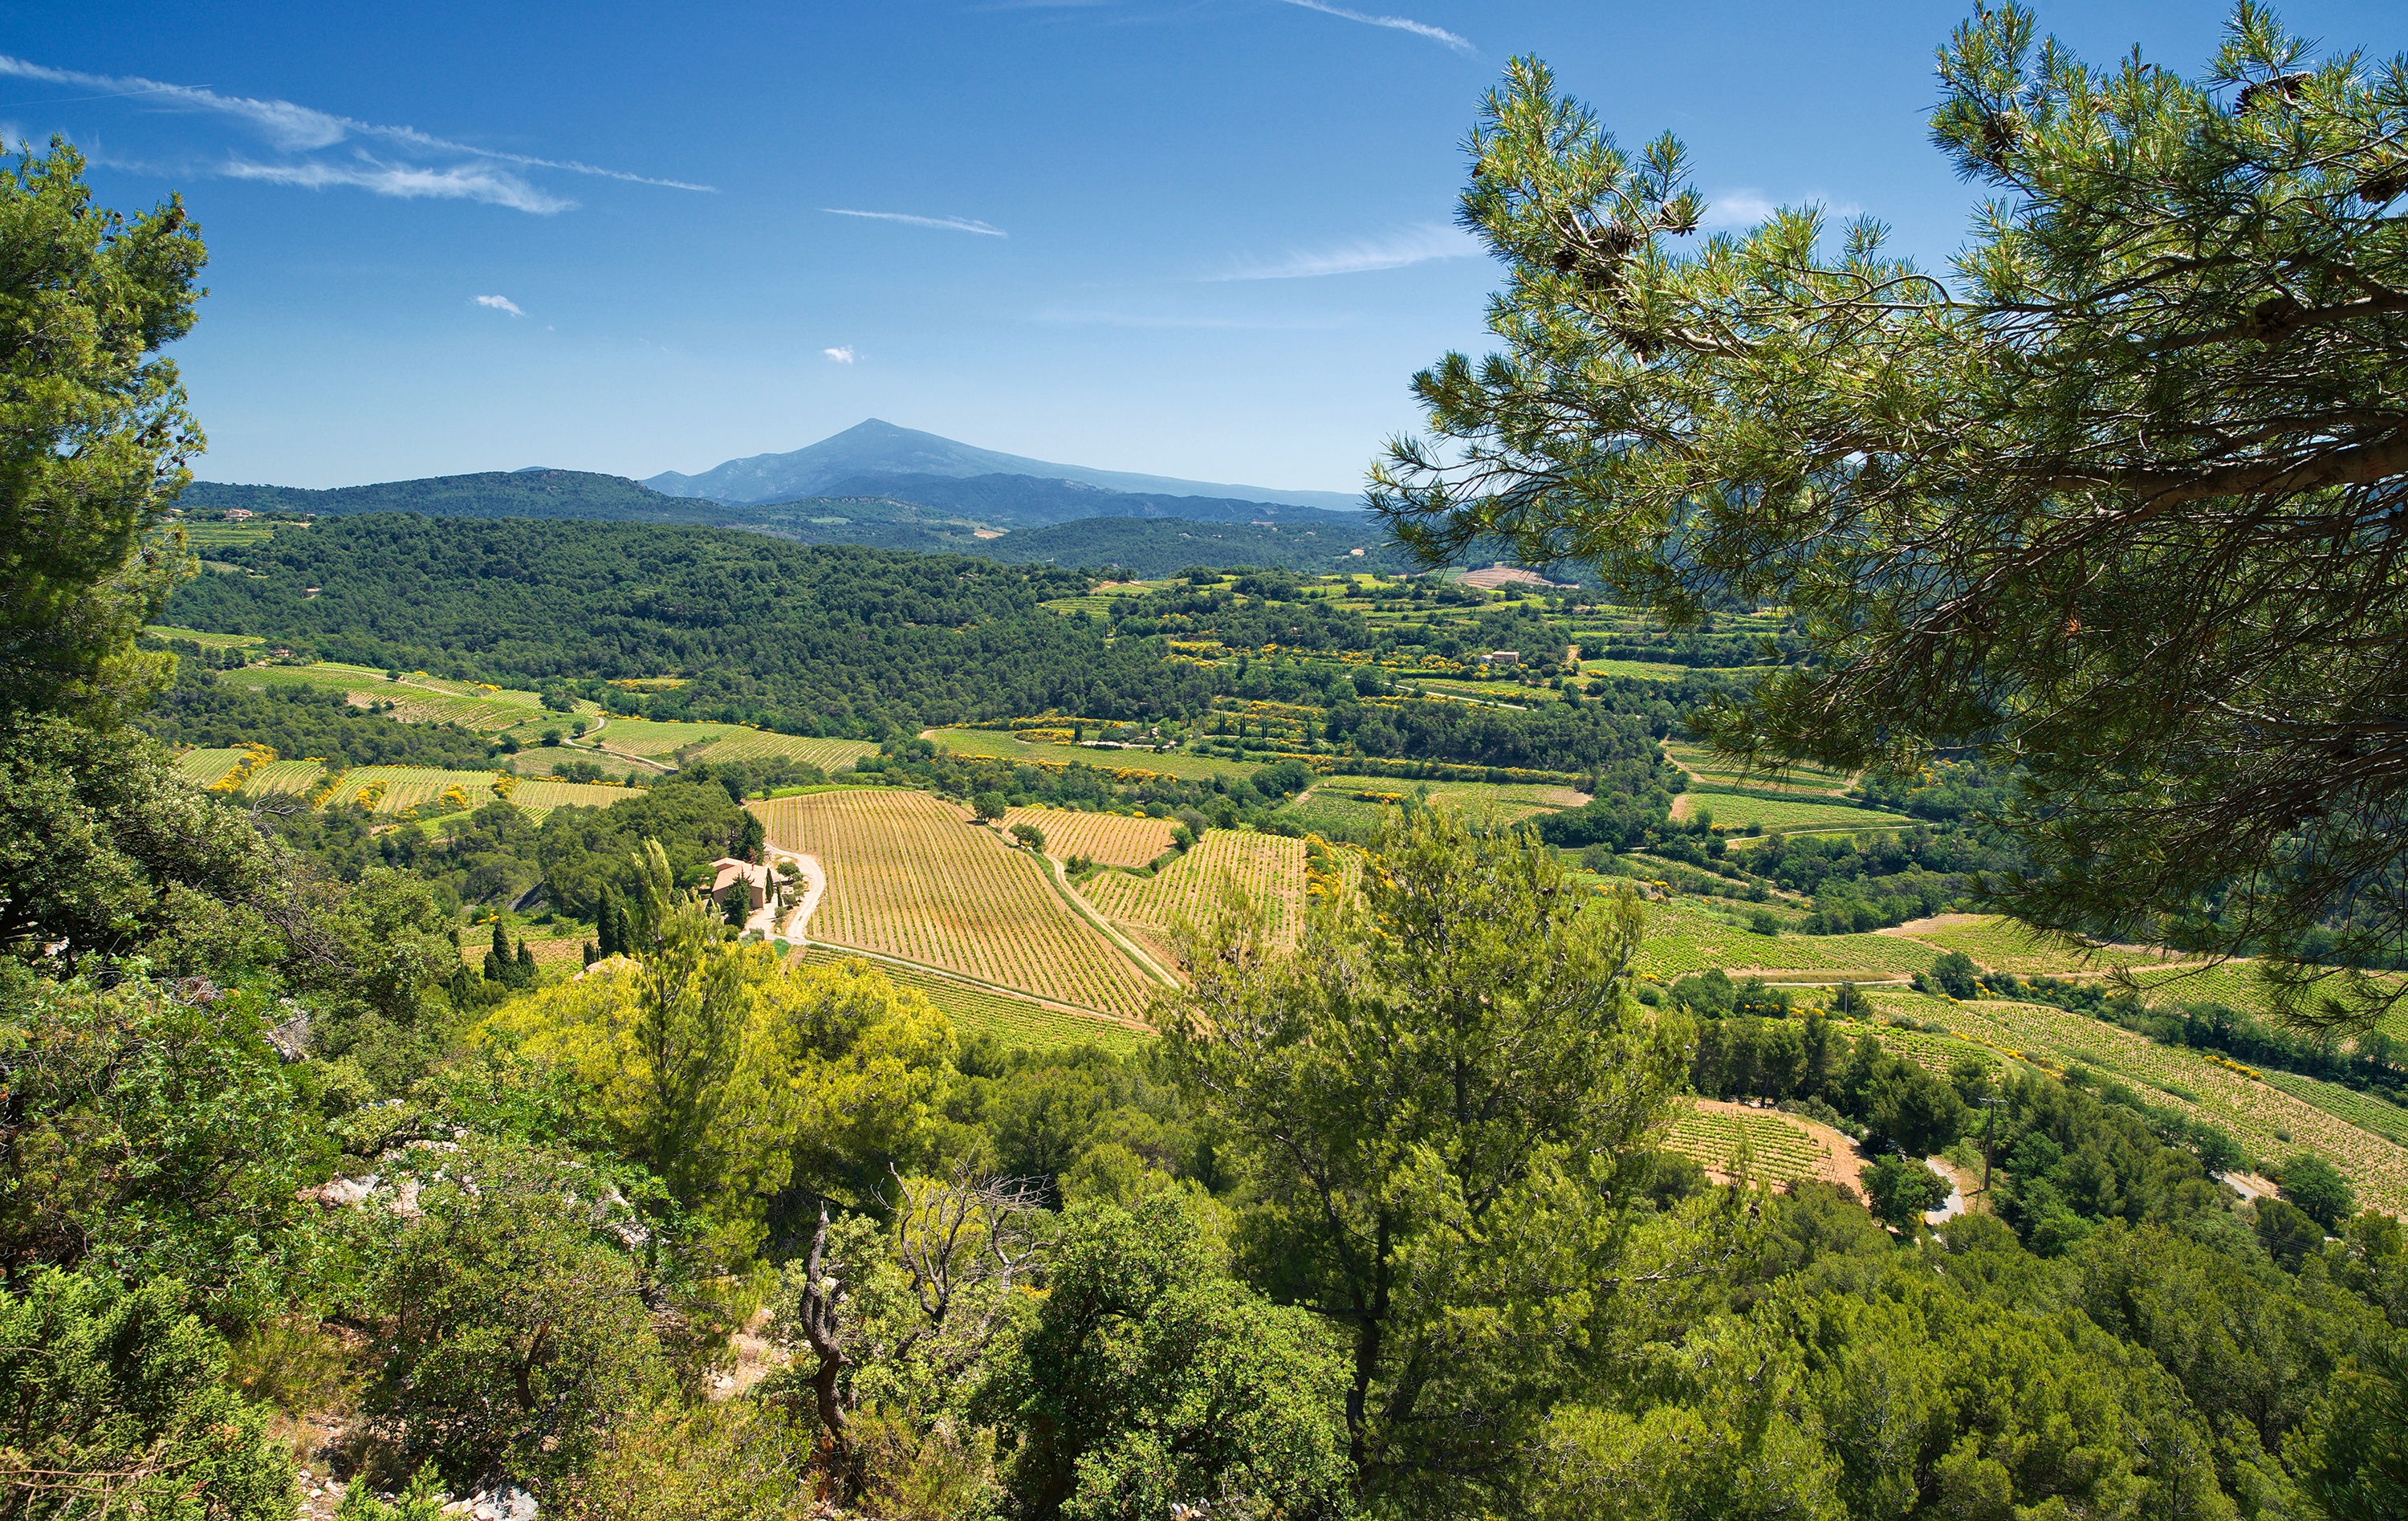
(879, 447)
(1017, 501)
(1009, 518)
(487, 494)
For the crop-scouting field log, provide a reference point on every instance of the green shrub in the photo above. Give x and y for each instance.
(116, 1404)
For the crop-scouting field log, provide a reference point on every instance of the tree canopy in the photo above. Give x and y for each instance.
(94, 435)
(2116, 502)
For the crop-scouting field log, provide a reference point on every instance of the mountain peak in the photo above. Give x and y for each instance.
(875, 446)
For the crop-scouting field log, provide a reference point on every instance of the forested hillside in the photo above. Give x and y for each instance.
(492, 493)
(811, 640)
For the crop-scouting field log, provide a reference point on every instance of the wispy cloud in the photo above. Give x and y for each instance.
(1416, 245)
(301, 131)
(1737, 209)
(950, 224)
(842, 354)
(499, 303)
(1397, 24)
(404, 181)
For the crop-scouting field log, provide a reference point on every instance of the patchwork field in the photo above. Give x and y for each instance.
(910, 876)
(995, 744)
(1012, 1021)
(1267, 867)
(1106, 839)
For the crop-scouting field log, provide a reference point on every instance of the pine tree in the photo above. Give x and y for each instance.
(2116, 503)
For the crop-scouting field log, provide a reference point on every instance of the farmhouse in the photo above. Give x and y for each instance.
(1503, 657)
(238, 514)
(731, 875)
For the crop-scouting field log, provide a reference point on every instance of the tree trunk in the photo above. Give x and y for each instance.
(819, 1326)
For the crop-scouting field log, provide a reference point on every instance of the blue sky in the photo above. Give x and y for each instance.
(1208, 238)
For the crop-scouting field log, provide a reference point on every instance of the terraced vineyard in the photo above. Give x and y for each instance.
(2364, 1109)
(1013, 1022)
(760, 744)
(284, 779)
(208, 768)
(1267, 867)
(1778, 1150)
(657, 740)
(910, 876)
(1106, 839)
(538, 796)
(390, 789)
(654, 739)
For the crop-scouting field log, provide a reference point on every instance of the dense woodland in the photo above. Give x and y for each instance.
(857, 642)
(812, 640)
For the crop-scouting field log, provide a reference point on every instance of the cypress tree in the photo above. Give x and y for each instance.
(610, 928)
(525, 968)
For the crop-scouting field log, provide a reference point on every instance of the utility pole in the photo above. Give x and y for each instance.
(1989, 1131)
